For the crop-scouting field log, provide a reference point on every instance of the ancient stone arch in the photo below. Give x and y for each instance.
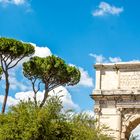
(117, 98)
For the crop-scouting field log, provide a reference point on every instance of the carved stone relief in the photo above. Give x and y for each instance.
(130, 79)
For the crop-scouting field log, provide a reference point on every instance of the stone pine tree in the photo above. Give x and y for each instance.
(11, 53)
(50, 71)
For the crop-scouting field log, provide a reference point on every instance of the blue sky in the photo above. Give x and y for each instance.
(81, 32)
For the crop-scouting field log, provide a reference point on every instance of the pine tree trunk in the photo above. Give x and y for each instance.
(6, 91)
(45, 97)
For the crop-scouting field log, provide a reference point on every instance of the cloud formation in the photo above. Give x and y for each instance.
(25, 96)
(105, 8)
(15, 84)
(10, 101)
(15, 2)
(115, 59)
(41, 51)
(101, 59)
(25, 3)
(85, 80)
(135, 60)
(98, 58)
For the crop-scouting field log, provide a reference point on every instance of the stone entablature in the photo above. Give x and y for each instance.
(118, 76)
(117, 97)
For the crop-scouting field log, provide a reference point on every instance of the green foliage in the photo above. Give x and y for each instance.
(11, 53)
(27, 122)
(13, 49)
(52, 71)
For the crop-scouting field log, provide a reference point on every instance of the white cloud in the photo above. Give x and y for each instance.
(134, 60)
(105, 8)
(25, 96)
(60, 91)
(66, 98)
(25, 3)
(98, 58)
(115, 59)
(16, 2)
(41, 51)
(101, 59)
(10, 101)
(15, 83)
(85, 80)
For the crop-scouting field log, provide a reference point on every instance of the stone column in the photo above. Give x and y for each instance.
(97, 115)
(119, 122)
(123, 137)
(98, 79)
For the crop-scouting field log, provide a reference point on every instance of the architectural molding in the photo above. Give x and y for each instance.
(117, 98)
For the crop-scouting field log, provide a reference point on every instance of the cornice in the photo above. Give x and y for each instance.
(121, 65)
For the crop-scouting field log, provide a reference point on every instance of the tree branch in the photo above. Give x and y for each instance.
(33, 86)
(16, 62)
(35, 90)
(2, 65)
(55, 86)
(9, 63)
(6, 57)
(38, 86)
